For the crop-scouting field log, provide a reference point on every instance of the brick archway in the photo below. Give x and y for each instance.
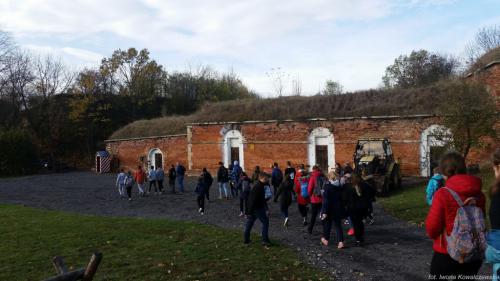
(156, 158)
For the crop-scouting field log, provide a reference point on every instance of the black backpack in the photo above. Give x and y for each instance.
(321, 181)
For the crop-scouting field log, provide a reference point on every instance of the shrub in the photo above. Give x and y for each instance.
(18, 153)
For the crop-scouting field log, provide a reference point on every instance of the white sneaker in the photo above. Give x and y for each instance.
(130, 199)
(202, 213)
(340, 245)
(199, 211)
(286, 222)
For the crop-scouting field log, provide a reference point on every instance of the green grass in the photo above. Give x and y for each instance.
(409, 203)
(137, 249)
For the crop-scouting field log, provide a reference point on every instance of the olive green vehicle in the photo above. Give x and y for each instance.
(374, 158)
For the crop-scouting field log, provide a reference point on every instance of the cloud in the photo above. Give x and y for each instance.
(349, 41)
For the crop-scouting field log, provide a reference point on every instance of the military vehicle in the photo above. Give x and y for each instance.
(374, 156)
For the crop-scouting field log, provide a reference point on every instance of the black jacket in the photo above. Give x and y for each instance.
(284, 193)
(172, 174)
(333, 204)
(222, 174)
(207, 179)
(357, 204)
(256, 199)
(495, 211)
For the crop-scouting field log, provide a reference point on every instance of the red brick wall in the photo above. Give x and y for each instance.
(128, 152)
(266, 143)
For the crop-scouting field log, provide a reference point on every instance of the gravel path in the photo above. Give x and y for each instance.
(394, 250)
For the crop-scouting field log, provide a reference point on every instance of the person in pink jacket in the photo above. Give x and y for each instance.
(316, 183)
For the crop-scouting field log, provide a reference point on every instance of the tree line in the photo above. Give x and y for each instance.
(62, 116)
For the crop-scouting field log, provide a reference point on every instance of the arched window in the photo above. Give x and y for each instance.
(233, 148)
(155, 158)
(433, 143)
(321, 149)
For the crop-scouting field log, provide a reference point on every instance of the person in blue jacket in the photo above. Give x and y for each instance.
(235, 178)
(493, 238)
(180, 172)
(436, 182)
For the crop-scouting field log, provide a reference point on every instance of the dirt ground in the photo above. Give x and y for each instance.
(394, 250)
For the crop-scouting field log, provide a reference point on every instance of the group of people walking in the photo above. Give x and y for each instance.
(456, 220)
(338, 196)
(154, 177)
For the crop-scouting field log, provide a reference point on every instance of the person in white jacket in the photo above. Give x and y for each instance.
(120, 182)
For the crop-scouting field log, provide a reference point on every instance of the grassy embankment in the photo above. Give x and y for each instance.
(409, 203)
(137, 249)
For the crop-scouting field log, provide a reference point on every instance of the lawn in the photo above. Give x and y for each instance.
(409, 203)
(137, 249)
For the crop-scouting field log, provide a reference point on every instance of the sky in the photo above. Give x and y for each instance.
(311, 41)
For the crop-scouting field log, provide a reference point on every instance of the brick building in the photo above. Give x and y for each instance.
(307, 141)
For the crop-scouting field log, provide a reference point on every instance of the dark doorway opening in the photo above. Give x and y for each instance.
(158, 160)
(435, 154)
(322, 157)
(235, 154)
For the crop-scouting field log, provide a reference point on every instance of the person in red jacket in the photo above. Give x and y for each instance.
(441, 217)
(316, 197)
(302, 202)
(140, 177)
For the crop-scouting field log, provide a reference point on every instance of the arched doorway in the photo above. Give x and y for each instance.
(155, 158)
(321, 150)
(433, 143)
(233, 148)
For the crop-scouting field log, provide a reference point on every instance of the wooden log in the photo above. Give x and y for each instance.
(68, 276)
(91, 269)
(59, 265)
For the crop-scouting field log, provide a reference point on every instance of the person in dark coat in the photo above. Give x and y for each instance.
(255, 175)
(201, 190)
(172, 174)
(257, 209)
(333, 210)
(357, 199)
(276, 177)
(207, 178)
(284, 194)
(222, 180)
(370, 181)
(244, 187)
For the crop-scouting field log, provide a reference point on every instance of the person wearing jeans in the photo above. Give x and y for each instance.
(181, 171)
(257, 209)
(222, 180)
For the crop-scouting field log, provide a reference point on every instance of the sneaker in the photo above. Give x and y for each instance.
(372, 220)
(241, 214)
(304, 223)
(340, 245)
(346, 222)
(350, 232)
(130, 199)
(202, 213)
(199, 211)
(285, 223)
(324, 241)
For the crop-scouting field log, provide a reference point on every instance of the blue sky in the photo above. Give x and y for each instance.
(348, 41)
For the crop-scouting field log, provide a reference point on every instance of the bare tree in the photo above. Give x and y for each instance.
(486, 40)
(51, 77)
(279, 79)
(297, 86)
